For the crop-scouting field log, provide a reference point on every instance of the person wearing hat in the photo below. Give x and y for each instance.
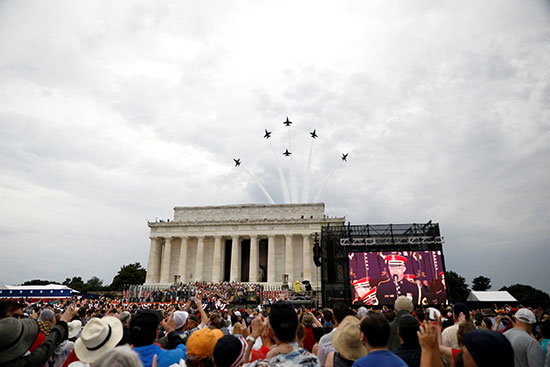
(347, 342)
(98, 336)
(67, 346)
(487, 348)
(17, 336)
(230, 351)
(200, 347)
(527, 350)
(397, 285)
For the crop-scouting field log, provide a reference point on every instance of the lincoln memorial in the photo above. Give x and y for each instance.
(245, 243)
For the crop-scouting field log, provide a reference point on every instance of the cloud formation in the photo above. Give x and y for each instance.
(114, 113)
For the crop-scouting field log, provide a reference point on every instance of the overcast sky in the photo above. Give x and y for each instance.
(114, 112)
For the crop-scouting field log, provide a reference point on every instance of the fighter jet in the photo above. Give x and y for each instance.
(286, 153)
(313, 134)
(267, 134)
(287, 123)
(345, 157)
(237, 162)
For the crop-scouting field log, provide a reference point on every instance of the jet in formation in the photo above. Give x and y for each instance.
(313, 134)
(237, 162)
(267, 134)
(286, 153)
(287, 123)
(345, 157)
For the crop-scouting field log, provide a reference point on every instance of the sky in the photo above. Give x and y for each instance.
(114, 112)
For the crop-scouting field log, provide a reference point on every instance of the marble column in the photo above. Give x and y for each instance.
(289, 263)
(306, 261)
(234, 275)
(182, 264)
(199, 268)
(152, 262)
(165, 268)
(253, 264)
(271, 259)
(216, 261)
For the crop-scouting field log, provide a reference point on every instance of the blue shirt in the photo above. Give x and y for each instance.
(165, 358)
(380, 358)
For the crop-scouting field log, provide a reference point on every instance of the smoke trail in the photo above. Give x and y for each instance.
(305, 193)
(282, 178)
(324, 183)
(261, 186)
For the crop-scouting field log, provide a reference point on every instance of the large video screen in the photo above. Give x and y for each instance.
(378, 278)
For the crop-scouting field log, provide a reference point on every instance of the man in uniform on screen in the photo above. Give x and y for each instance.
(397, 285)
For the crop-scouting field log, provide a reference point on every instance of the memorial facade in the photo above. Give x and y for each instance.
(246, 243)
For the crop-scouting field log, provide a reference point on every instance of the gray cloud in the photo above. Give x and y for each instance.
(113, 114)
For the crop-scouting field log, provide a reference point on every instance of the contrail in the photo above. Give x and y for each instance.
(282, 178)
(305, 193)
(261, 186)
(324, 183)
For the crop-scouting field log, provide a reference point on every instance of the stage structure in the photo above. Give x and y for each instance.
(254, 243)
(374, 264)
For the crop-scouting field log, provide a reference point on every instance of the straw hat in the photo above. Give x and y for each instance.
(347, 339)
(97, 337)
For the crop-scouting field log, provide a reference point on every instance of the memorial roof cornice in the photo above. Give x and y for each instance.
(247, 221)
(249, 206)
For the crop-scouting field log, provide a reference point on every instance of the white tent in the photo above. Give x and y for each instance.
(490, 296)
(37, 291)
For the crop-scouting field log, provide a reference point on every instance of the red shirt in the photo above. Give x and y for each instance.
(39, 340)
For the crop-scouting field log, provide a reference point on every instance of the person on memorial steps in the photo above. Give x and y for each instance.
(397, 285)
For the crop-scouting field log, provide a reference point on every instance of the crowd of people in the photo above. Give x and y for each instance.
(222, 292)
(76, 333)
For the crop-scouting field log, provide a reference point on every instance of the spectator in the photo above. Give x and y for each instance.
(67, 346)
(10, 308)
(17, 336)
(449, 337)
(318, 333)
(200, 347)
(527, 351)
(125, 317)
(122, 356)
(487, 348)
(375, 332)
(98, 337)
(347, 342)
(409, 350)
(283, 322)
(46, 321)
(230, 351)
(340, 311)
(143, 334)
(403, 305)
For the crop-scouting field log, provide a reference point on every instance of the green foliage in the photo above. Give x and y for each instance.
(93, 284)
(528, 296)
(128, 274)
(481, 283)
(39, 282)
(457, 288)
(75, 283)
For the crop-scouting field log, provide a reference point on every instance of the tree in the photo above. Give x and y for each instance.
(75, 283)
(481, 283)
(528, 296)
(93, 284)
(39, 282)
(457, 288)
(128, 274)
